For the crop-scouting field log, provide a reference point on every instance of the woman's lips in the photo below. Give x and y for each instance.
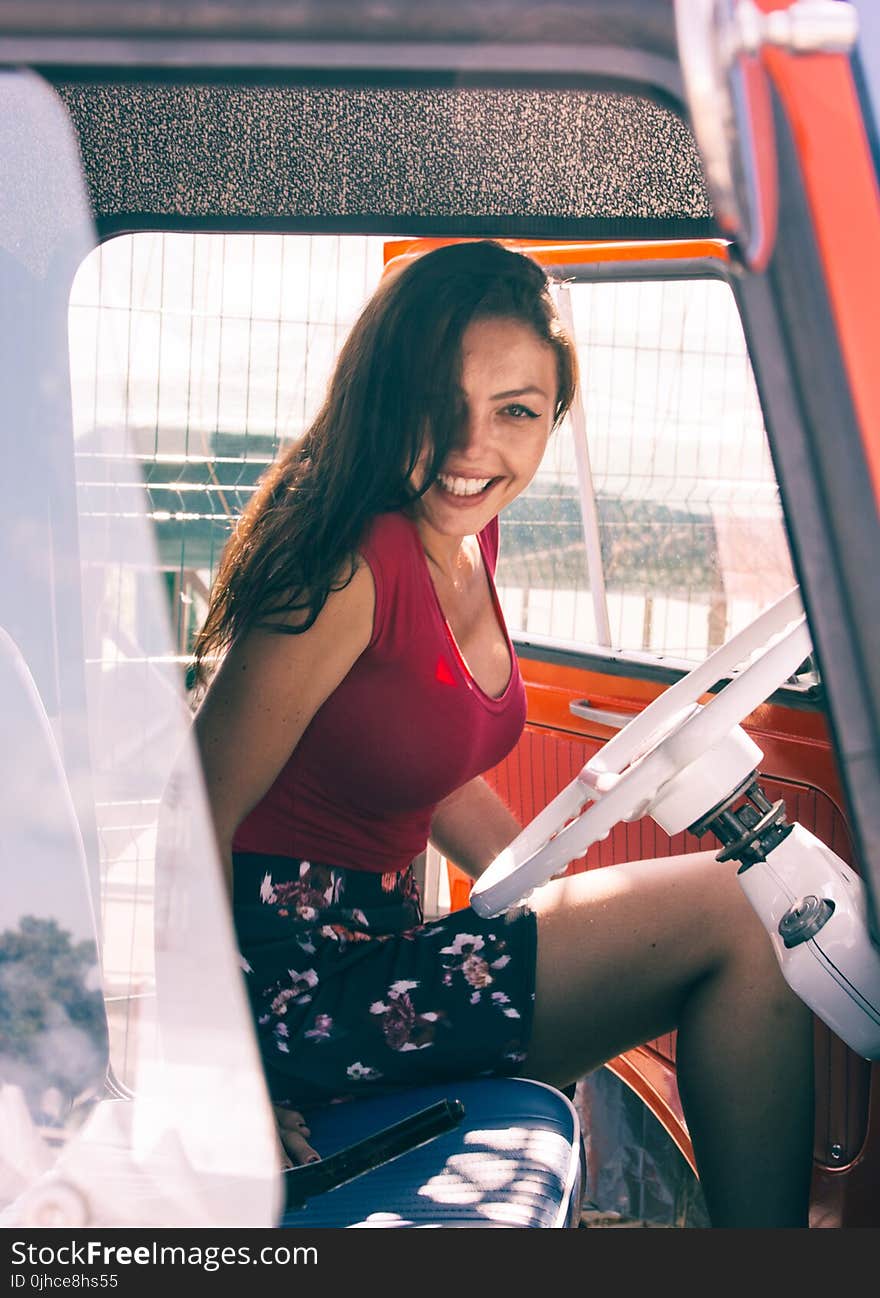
(460, 489)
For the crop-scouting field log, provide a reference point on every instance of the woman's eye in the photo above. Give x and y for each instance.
(518, 411)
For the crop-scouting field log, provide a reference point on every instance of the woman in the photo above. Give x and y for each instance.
(367, 681)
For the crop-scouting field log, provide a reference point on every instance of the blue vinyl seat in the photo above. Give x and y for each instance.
(514, 1160)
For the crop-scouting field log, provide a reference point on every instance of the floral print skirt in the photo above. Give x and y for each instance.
(352, 992)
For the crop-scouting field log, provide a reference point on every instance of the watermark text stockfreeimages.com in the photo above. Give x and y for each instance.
(97, 1253)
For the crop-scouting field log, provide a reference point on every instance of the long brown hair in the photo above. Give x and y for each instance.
(394, 391)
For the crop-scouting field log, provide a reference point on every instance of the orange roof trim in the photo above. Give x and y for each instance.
(569, 253)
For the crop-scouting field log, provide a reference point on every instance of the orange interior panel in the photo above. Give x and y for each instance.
(799, 767)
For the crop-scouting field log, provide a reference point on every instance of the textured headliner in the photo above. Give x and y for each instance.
(362, 153)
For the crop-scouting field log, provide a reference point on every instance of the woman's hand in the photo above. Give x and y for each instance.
(293, 1135)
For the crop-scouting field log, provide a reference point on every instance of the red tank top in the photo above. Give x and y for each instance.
(406, 726)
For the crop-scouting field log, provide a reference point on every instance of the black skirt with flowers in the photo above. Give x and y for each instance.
(352, 992)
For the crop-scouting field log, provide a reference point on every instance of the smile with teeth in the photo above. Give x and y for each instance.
(463, 486)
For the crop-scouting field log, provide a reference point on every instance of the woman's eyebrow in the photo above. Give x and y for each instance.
(518, 392)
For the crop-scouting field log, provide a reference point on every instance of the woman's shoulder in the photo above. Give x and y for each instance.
(390, 529)
(388, 542)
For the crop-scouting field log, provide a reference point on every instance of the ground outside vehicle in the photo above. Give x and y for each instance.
(192, 199)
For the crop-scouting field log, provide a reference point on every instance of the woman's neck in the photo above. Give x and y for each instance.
(451, 556)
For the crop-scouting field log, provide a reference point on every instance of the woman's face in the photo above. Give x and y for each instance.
(509, 388)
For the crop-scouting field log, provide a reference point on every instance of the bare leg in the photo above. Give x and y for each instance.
(632, 951)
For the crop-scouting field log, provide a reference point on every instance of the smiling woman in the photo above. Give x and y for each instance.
(320, 828)
(360, 583)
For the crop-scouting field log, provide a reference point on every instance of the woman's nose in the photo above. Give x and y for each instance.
(474, 433)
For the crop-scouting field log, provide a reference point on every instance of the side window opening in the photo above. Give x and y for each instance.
(689, 542)
(210, 351)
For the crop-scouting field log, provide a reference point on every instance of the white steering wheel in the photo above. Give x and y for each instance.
(631, 774)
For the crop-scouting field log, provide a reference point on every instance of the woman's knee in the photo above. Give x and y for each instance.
(621, 949)
(624, 953)
(652, 929)
(714, 905)
(688, 909)
(744, 969)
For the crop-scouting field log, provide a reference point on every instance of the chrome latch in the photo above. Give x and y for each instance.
(806, 27)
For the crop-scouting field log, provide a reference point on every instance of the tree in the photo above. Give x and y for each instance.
(53, 1027)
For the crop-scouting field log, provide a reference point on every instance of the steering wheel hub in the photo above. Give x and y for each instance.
(706, 782)
(675, 760)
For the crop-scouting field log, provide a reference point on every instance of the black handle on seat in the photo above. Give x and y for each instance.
(304, 1183)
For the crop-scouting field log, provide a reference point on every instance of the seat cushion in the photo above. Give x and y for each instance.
(514, 1160)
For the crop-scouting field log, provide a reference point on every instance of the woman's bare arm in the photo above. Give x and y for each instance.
(263, 697)
(472, 826)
